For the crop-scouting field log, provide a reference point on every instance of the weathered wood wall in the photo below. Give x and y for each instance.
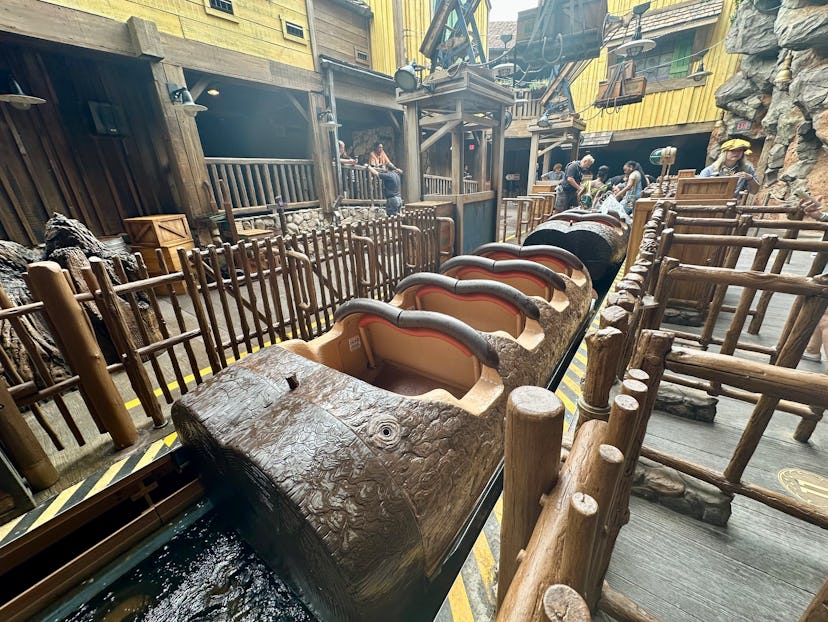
(52, 161)
(340, 32)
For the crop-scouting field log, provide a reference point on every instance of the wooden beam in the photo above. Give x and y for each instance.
(393, 118)
(532, 174)
(412, 179)
(439, 119)
(448, 127)
(312, 32)
(292, 99)
(321, 152)
(146, 41)
(399, 28)
(181, 145)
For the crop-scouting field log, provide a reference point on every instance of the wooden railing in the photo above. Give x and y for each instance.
(529, 109)
(361, 187)
(435, 184)
(254, 182)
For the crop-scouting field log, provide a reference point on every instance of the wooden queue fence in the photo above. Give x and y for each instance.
(559, 524)
(236, 299)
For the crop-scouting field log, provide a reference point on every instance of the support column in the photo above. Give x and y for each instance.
(321, 153)
(532, 174)
(81, 350)
(412, 175)
(483, 159)
(178, 146)
(498, 139)
(457, 160)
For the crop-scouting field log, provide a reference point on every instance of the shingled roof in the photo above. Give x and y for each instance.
(496, 29)
(682, 16)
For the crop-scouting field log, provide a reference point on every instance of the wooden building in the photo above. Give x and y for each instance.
(109, 143)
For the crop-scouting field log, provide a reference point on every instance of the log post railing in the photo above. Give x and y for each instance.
(257, 182)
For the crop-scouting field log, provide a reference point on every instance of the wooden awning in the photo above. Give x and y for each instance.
(675, 18)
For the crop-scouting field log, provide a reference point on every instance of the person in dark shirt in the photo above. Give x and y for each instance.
(570, 189)
(391, 184)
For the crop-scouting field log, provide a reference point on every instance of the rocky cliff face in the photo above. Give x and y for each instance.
(792, 118)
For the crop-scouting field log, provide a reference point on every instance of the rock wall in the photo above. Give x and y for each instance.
(308, 220)
(791, 118)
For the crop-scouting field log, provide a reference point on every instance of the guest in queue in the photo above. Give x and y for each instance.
(732, 161)
(569, 191)
(391, 184)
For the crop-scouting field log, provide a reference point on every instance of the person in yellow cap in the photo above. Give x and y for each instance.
(731, 161)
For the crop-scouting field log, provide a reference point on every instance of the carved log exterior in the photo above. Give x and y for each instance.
(598, 243)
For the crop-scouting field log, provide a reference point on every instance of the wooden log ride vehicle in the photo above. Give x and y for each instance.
(353, 462)
(599, 240)
(553, 257)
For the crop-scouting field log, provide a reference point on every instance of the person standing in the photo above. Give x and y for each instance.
(569, 191)
(556, 174)
(631, 191)
(344, 158)
(732, 161)
(391, 185)
(378, 157)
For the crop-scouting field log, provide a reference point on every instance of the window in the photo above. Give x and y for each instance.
(225, 6)
(669, 59)
(293, 31)
(361, 56)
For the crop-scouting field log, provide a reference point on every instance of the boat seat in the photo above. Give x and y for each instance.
(409, 352)
(555, 258)
(526, 276)
(485, 305)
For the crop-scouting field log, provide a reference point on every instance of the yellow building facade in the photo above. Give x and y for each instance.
(674, 104)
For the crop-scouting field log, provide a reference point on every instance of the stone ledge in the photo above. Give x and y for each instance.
(681, 493)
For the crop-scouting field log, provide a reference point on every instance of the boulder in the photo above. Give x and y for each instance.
(802, 27)
(735, 88)
(760, 70)
(751, 32)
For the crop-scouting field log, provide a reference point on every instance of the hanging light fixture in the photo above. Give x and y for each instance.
(14, 95)
(328, 120)
(407, 77)
(700, 74)
(182, 98)
(638, 45)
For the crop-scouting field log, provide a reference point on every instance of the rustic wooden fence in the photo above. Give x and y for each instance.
(437, 185)
(225, 303)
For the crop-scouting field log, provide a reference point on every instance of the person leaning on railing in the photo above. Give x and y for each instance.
(814, 209)
(391, 185)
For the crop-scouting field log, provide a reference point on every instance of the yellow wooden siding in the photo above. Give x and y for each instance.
(256, 29)
(688, 105)
(417, 16)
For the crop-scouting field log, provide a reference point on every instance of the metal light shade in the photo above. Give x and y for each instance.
(406, 78)
(663, 155)
(17, 98)
(700, 73)
(635, 47)
(184, 100)
(507, 121)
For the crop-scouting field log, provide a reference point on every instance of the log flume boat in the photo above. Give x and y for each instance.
(353, 462)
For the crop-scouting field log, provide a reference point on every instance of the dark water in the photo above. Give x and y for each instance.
(206, 573)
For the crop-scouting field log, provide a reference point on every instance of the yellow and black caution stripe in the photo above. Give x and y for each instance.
(85, 489)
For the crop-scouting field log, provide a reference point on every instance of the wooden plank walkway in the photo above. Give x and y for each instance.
(764, 565)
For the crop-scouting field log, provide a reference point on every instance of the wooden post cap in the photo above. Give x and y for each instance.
(563, 604)
(535, 403)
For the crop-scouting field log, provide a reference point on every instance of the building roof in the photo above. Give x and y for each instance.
(496, 29)
(358, 6)
(681, 16)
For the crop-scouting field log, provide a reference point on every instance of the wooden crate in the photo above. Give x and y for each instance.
(170, 254)
(166, 230)
(704, 188)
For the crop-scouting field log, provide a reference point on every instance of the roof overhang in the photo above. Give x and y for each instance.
(675, 18)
